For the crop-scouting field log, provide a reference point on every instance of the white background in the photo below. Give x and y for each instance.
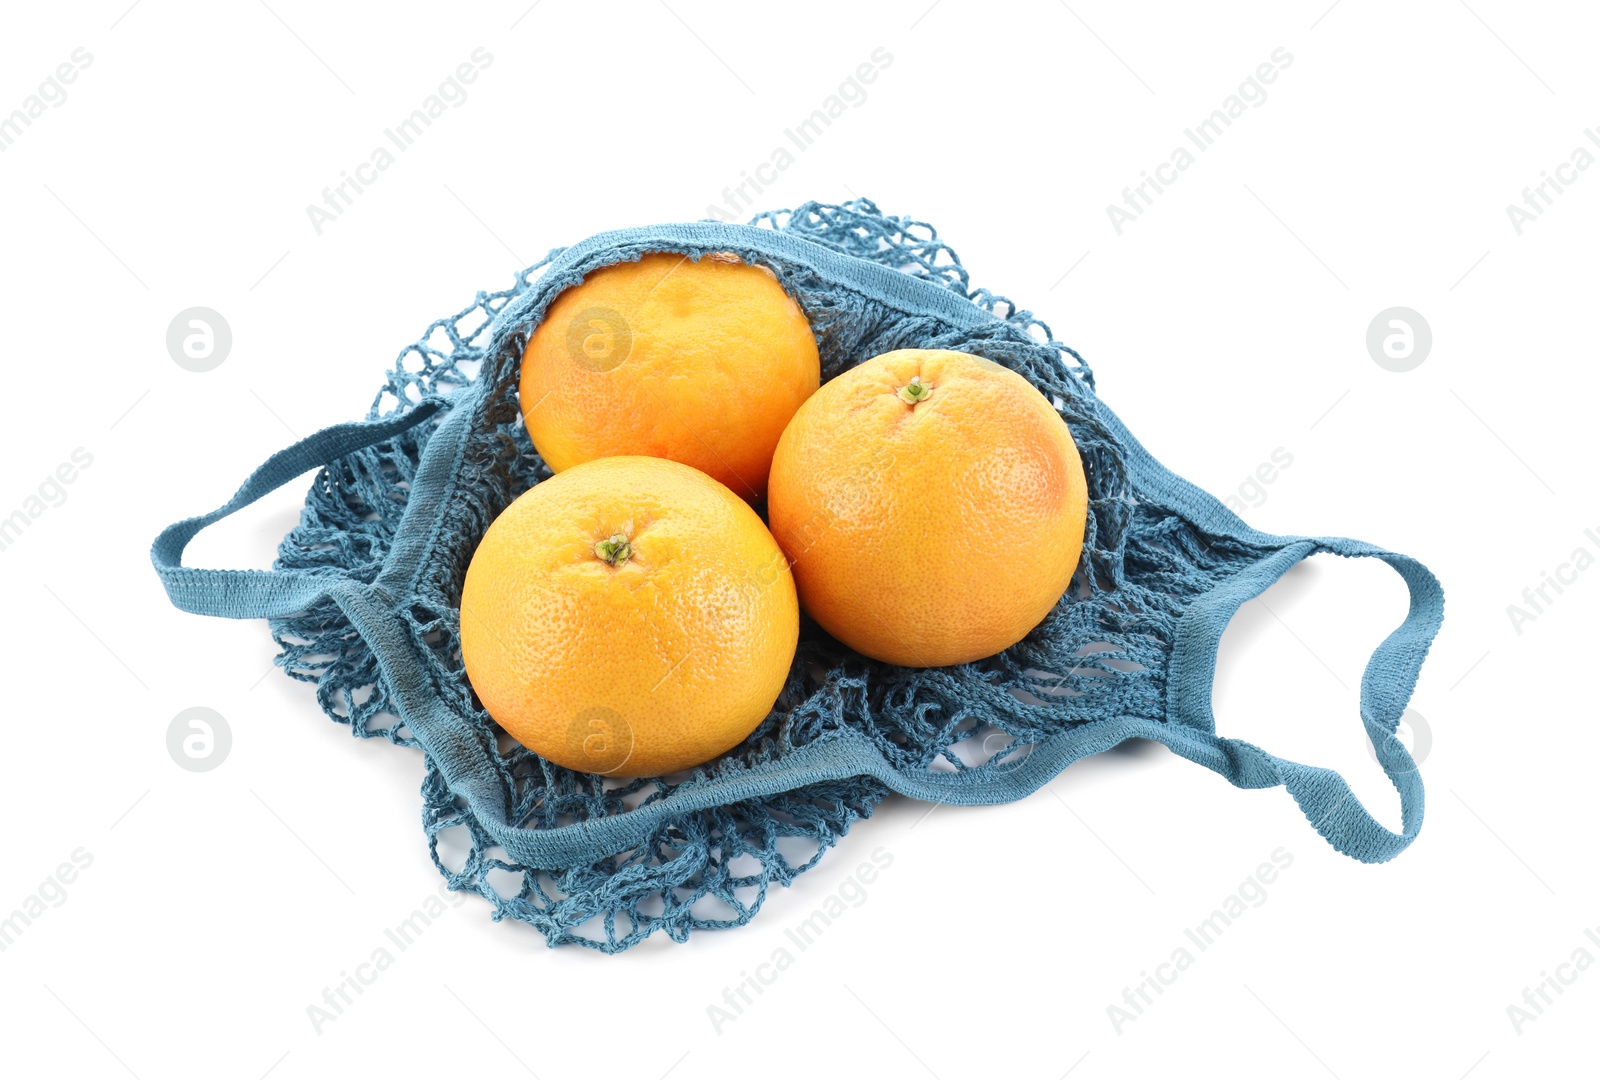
(1228, 321)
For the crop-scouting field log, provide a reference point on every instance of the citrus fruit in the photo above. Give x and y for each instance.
(932, 505)
(701, 362)
(629, 616)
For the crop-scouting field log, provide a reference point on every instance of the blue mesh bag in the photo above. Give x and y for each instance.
(362, 601)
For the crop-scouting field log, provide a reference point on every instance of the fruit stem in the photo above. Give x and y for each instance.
(914, 391)
(615, 551)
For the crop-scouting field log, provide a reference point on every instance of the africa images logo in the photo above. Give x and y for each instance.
(1251, 94)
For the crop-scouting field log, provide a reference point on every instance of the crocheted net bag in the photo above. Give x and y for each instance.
(363, 603)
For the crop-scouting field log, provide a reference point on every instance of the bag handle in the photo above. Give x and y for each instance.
(1386, 686)
(270, 594)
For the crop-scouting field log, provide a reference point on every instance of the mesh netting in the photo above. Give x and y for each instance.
(1100, 653)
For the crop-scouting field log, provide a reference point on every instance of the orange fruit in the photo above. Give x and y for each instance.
(932, 505)
(629, 616)
(701, 362)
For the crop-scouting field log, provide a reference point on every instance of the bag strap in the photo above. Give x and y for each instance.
(270, 594)
(1386, 687)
